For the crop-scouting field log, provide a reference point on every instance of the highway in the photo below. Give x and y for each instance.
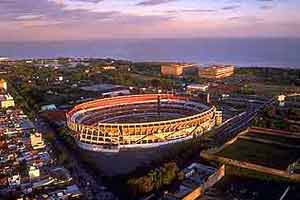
(230, 129)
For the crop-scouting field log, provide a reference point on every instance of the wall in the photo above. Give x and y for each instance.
(195, 194)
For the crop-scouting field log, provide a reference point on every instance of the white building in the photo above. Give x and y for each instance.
(7, 101)
(4, 60)
(48, 107)
(34, 172)
(197, 87)
(116, 93)
(14, 181)
(37, 141)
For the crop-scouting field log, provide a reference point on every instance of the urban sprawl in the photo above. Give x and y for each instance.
(107, 129)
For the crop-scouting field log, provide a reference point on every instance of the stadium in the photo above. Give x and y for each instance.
(139, 121)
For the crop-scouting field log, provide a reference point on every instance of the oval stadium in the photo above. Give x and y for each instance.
(139, 121)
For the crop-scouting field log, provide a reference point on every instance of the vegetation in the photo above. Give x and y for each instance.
(276, 76)
(151, 69)
(155, 179)
(276, 117)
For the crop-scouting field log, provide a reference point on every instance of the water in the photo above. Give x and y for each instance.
(241, 52)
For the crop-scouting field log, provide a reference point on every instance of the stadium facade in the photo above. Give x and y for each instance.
(139, 121)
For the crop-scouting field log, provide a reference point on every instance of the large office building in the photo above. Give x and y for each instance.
(174, 69)
(216, 71)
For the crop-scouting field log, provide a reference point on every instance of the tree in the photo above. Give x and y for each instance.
(156, 83)
(170, 171)
(62, 158)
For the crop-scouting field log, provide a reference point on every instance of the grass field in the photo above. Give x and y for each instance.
(272, 89)
(268, 155)
(285, 140)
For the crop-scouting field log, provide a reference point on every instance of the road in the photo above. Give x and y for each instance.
(239, 123)
(285, 193)
(91, 187)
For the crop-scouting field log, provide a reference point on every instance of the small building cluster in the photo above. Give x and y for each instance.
(4, 60)
(197, 178)
(28, 168)
(107, 90)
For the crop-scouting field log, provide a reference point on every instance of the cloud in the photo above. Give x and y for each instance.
(193, 11)
(88, 5)
(233, 7)
(141, 18)
(266, 7)
(247, 19)
(154, 2)
(29, 17)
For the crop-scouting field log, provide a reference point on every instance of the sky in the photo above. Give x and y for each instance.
(58, 20)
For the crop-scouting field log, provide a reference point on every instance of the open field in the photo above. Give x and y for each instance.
(272, 89)
(268, 155)
(284, 140)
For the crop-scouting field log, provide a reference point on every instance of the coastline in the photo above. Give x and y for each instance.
(242, 52)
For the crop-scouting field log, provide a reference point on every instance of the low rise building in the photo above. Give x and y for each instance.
(198, 178)
(109, 67)
(216, 71)
(14, 181)
(116, 93)
(7, 101)
(48, 107)
(197, 87)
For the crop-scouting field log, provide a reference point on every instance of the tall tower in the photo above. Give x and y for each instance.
(208, 98)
